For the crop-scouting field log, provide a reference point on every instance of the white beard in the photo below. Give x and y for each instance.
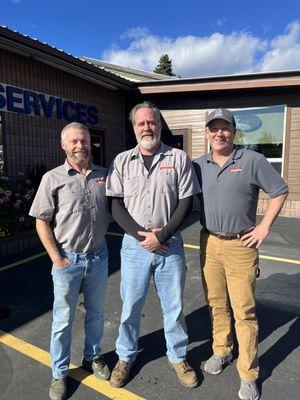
(147, 143)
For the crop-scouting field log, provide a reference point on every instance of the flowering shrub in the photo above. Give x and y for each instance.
(15, 202)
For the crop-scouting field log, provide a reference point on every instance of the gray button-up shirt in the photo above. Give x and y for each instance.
(76, 204)
(152, 196)
(230, 193)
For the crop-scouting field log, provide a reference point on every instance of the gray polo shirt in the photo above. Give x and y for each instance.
(230, 193)
(76, 204)
(152, 196)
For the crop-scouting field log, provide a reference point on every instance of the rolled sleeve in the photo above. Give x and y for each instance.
(114, 181)
(43, 205)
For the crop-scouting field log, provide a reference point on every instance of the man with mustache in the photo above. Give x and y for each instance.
(72, 216)
(152, 187)
(230, 180)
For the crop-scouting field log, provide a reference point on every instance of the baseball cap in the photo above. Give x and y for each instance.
(221, 113)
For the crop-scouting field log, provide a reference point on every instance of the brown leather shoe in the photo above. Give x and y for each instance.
(120, 374)
(185, 374)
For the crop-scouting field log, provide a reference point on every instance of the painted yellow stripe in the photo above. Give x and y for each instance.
(75, 372)
(25, 260)
(115, 234)
(271, 258)
(284, 260)
(191, 246)
(186, 246)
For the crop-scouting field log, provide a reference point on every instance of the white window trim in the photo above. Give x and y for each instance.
(281, 159)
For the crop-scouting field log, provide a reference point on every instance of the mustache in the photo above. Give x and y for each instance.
(147, 134)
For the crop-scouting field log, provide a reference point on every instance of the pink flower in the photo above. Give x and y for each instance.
(6, 199)
(18, 201)
(21, 173)
(17, 205)
(8, 193)
(21, 219)
(27, 196)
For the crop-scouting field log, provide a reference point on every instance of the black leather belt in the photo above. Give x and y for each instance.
(227, 236)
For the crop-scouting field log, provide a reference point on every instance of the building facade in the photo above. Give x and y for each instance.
(267, 110)
(42, 89)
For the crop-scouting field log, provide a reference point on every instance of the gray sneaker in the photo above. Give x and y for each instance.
(248, 390)
(216, 364)
(58, 389)
(98, 367)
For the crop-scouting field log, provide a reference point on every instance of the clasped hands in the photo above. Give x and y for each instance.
(151, 243)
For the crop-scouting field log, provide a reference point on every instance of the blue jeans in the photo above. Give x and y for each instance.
(168, 271)
(88, 272)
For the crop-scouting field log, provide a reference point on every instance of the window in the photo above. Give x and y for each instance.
(262, 130)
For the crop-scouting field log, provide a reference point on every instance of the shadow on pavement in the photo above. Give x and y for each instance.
(271, 316)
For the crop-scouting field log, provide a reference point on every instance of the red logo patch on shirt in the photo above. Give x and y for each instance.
(235, 169)
(100, 180)
(167, 167)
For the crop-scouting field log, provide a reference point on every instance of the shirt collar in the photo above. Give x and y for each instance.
(163, 149)
(235, 155)
(69, 167)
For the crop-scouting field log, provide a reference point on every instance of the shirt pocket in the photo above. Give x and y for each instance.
(167, 182)
(131, 186)
(72, 198)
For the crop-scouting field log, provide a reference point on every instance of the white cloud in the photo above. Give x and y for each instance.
(217, 54)
(284, 52)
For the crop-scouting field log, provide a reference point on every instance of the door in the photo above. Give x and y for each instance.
(98, 149)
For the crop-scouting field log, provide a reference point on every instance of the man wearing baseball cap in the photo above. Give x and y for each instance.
(230, 180)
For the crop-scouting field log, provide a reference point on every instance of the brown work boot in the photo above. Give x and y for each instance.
(185, 373)
(120, 374)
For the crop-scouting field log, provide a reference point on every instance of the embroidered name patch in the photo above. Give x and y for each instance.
(236, 169)
(100, 180)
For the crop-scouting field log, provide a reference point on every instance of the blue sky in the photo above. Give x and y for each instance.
(201, 37)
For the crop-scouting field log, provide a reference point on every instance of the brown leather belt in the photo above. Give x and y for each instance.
(227, 236)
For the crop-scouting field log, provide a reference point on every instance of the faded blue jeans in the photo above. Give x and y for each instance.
(168, 271)
(88, 272)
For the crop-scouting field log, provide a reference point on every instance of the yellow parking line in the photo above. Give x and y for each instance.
(191, 246)
(271, 258)
(25, 260)
(75, 372)
(115, 234)
(284, 260)
(186, 246)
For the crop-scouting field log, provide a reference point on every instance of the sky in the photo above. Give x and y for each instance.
(202, 38)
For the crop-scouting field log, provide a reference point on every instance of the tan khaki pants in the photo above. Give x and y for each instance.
(229, 273)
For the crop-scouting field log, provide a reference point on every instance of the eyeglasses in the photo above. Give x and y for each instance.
(225, 129)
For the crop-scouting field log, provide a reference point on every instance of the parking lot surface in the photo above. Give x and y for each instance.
(25, 322)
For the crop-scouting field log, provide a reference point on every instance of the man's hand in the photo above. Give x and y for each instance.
(151, 243)
(61, 263)
(255, 237)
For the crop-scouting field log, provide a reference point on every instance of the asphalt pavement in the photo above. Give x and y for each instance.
(25, 322)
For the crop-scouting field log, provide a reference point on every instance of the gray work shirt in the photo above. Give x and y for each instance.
(76, 204)
(152, 196)
(230, 193)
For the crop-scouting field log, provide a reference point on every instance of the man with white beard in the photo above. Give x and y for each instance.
(151, 187)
